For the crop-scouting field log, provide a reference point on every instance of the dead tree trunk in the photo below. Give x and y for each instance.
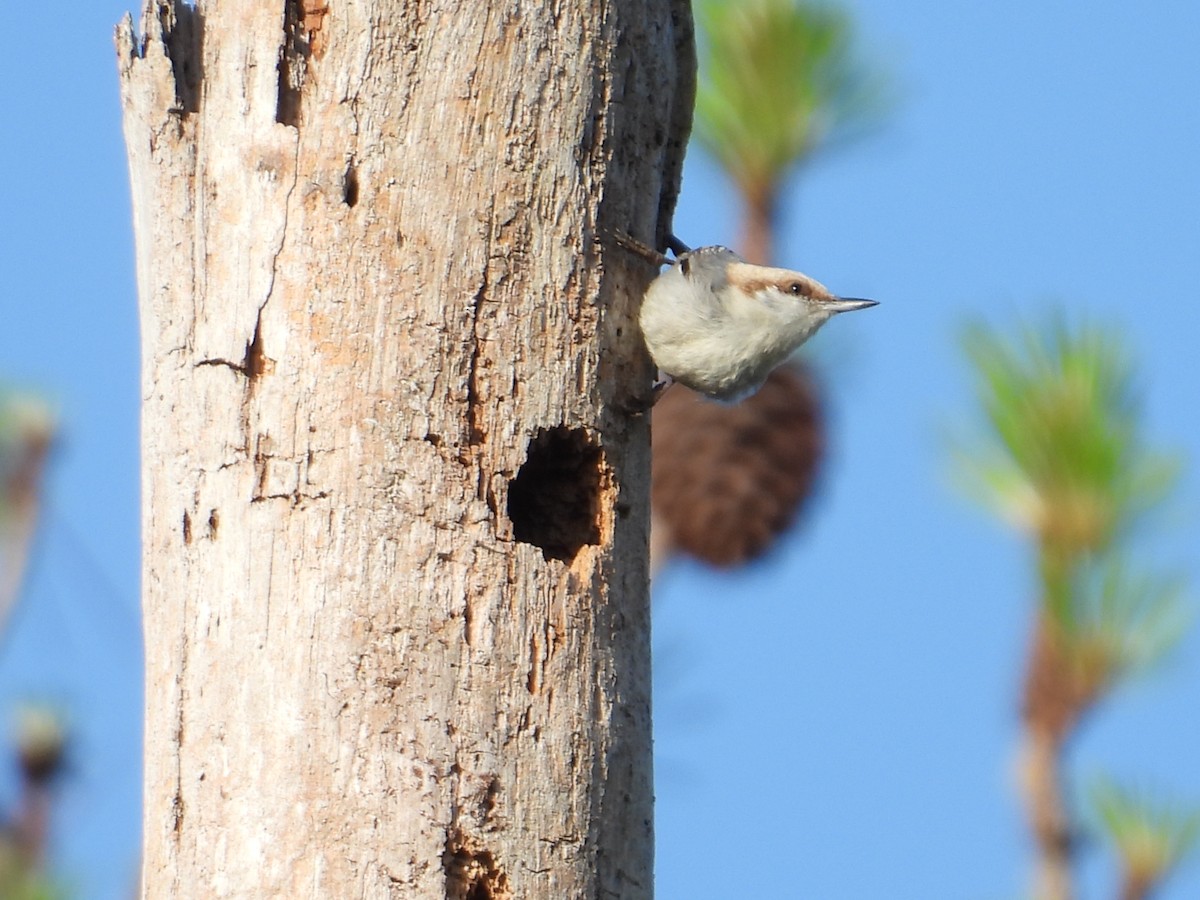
(395, 510)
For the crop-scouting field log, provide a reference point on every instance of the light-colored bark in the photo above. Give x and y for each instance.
(1057, 694)
(395, 509)
(1043, 790)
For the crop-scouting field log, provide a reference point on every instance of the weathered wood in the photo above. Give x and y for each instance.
(395, 510)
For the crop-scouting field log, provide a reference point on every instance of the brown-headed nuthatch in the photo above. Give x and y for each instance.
(719, 325)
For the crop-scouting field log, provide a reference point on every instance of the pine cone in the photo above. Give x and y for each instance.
(728, 479)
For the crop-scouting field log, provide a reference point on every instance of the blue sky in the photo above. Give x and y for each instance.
(838, 720)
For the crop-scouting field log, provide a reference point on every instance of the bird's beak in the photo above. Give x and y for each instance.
(848, 304)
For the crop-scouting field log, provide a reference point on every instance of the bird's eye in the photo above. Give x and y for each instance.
(796, 288)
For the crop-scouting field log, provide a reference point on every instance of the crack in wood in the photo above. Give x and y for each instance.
(181, 30)
(254, 361)
(475, 433)
(303, 41)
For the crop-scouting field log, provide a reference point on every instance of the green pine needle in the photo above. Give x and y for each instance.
(777, 79)
(1116, 623)
(1151, 835)
(1063, 456)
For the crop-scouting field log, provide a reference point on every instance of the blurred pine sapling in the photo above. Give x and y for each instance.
(1062, 457)
(1150, 835)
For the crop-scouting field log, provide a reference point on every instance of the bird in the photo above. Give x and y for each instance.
(720, 325)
